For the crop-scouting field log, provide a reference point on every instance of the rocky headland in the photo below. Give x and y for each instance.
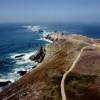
(68, 69)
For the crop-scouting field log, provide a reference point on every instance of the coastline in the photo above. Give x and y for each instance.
(47, 75)
(50, 38)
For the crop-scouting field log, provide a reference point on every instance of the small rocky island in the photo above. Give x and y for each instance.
(68, 69)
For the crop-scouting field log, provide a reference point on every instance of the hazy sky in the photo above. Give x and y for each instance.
(49, 10)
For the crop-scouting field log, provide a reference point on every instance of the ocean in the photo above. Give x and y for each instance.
(19, 38)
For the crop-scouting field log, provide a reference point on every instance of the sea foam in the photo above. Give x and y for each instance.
(47, 40)
(21, 64)
(34, 28)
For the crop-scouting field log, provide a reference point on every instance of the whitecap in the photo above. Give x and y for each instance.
(13, 56)
(34, 28)
(37, 28)
(22, 63)
(47, 40)
(24, 57)
(9, 77)
(27, 55)
(3, 80)
(28, 27)
(45, 33)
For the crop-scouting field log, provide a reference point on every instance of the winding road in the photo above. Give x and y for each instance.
(63, 94)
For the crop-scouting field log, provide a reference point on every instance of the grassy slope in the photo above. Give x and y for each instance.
(43, 83)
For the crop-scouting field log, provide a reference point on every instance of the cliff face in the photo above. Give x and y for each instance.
(43, 82)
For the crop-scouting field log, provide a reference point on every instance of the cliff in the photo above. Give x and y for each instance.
(44, 81)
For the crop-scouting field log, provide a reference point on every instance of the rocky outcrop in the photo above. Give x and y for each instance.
(21, 73)
(18, 56)
(5, 83)
(39, 56)
(49, 37)
(55, 36)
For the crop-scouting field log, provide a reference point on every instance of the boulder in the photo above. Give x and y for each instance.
(40, 30)
(5, 83)
(21, 73)
(34, 66)
(18, 56)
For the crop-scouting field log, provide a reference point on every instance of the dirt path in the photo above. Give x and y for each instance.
(63, 94)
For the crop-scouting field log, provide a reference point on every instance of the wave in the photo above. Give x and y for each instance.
(28, 27)
(24, 60)
(9, 77)
(25, 55)
(45, 33)
(47, 40)
(3, 80)
(34, 28)
(37, 28)
(22, 63)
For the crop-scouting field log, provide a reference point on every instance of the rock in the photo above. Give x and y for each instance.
(21, 73)
(32, 57)
(40, 30)
(39, 56)
(49, 37)
(34, 66)
(19, 56)
(2, 84)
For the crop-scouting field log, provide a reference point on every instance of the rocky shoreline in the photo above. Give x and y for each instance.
(37, 57)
